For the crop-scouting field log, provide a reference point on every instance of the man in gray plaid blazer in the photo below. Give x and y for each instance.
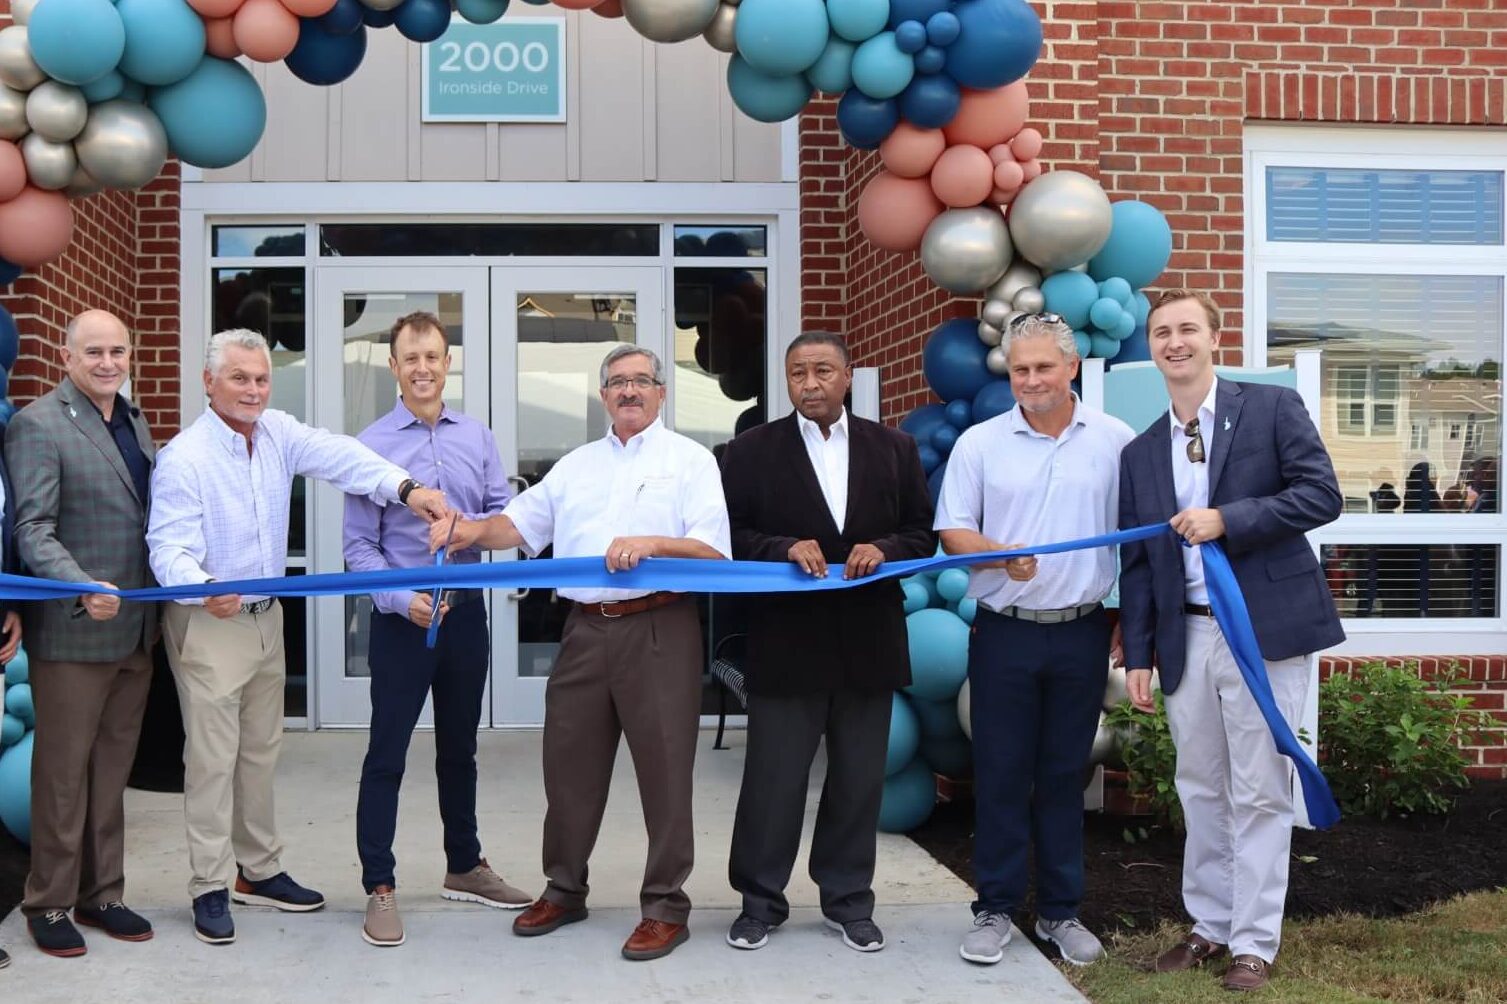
(80, 460)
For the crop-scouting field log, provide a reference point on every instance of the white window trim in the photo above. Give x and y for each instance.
(1404, 148)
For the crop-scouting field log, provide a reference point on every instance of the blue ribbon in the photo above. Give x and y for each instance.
(700, 576)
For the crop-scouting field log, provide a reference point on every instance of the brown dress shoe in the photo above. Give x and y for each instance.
(654, 939)
(1192, 951)
(1247, 972)
(543, 917)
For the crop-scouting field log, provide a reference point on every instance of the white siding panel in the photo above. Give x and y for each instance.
(756, 148)
(608, 75)
(688, 78)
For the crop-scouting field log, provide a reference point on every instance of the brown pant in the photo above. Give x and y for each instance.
(640, 677)
(88, 721)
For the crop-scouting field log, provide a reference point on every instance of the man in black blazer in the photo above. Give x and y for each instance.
(1241, 464)
(835, 494)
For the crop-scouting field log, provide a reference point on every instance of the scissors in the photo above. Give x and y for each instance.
(434, 600)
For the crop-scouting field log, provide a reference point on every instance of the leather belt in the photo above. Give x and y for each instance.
(259, 607)
(1060, 615)
(624, 608)
(455, 597)
(1198, 609)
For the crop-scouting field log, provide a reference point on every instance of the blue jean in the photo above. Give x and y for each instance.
(1035, 692)
(403, 673)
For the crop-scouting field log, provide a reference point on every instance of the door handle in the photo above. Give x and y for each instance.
(520, 485)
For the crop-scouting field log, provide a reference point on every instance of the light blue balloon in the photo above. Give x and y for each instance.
(481, 11)
(18, 703)
(106, 88)
(857, 20)
(11, 730)
(1084, 343)
(18, 670)
(916, 596)
(1072, 295)
(781, 37)
(928, 585)
(763, 97)
(909, 796)
(1125, 328)
(938, 643)
(15, 789)
(880, 69)
(214, 116)
(1140, 307)
(832, 73)
(968, 610)
(1104, 346)
(164, 40)
(76, 41)
(1139, 245)
(1117, 289)
(1105, 314)
(905, 735)
(952, 584)
(937, 718)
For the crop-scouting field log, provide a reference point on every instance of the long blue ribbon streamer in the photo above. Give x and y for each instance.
(699, 576)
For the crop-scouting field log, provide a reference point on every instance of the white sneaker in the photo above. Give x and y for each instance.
(1076, 942)
(986, 942)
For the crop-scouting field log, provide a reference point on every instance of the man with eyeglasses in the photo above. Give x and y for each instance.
(1241, 464)
(630, 660)
(1038, 657)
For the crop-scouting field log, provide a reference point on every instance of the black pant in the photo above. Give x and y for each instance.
(404, 672)
(1035, 693)
(782, 737)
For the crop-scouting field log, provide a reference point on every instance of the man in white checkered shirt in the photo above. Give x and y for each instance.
(220, 496)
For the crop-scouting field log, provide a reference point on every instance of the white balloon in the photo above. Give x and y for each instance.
(989, 334)
(56, 111)
(719, 34)
(18, 70)
(998, 361)
(1060, 220)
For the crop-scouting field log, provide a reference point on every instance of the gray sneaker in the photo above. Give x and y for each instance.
(860, 935)
(986, 942)
(1076, 942)
(482, 885)
(748, 933)
(383, 927)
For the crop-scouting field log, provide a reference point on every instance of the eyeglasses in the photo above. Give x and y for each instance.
(640, 382)
(1045, 317)
(1195, 442)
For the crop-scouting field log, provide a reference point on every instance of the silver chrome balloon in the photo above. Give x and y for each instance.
(83, 184)
(1060, 220)
(998, 361)
(1016, 278)
(719, 34)
(56, 111)
(1011, 318)
(965, 250)
(1030, 300)
(18, 70)
(13, 124)
(994, 313)
(989, 334)
(20, 10)
(123, 145)
(965, 710)
(49, 165)
(670, 20)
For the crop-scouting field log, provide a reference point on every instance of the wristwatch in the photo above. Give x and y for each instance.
(405, 488)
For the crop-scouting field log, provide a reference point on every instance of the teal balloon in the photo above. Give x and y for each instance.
(133, 90)
(1104, 346)
(1118, 290)
(18, 702)
(481, 11)
(762, 97)
(1139, 245)
(968, 610)
(953, 584)
(880, 69)
(214, 116)
(950, 756)
(909, 796)
(18, 670)
(905, 735)
(916, 596)
(938, 644)
(781, 37)
(15, 789)
(76, 41)
(1125, 328)
(1072, 295)
(1140, 308)
(106, 88)
(832, 73)
(1084, 343)
(937, 718)
(11, 730)
(164, 40)
(857, 20)
(1105, 314)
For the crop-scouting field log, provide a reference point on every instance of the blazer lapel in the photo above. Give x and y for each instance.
(806, 474)
(1161, 463)
(86, 419)
(1227, 404)
(860, 442)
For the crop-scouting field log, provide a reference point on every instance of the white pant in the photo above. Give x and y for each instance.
(1236, 791)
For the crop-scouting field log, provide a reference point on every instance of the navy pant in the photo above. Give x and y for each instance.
(404, 672)
(1035, 692)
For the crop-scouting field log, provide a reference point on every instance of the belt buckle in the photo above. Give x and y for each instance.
(603, 608)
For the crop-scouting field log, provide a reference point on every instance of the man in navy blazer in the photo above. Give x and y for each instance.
(1244, 465)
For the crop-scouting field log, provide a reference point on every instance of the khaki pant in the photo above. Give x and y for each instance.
(230, 677)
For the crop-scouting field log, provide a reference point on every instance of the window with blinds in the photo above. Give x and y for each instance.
(1345, 206)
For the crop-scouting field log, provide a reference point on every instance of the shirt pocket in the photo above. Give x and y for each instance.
(655, 506)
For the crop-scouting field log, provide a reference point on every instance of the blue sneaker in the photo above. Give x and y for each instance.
(279, 891)
(212, 923)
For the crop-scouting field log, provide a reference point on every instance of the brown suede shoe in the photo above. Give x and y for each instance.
(1247, 972)
(543, 917)
(1192, 951)
(654, 939)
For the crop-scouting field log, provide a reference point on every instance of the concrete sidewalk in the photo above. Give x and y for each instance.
(458, 951)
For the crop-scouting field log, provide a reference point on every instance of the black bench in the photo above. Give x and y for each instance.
(727, 671)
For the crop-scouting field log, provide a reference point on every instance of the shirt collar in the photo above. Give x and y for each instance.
(643, 438)
(224, 434)
(1018, 423)
(810, 428)
(403, 417)
(1205, 408)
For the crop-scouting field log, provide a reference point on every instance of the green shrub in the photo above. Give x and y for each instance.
(1390, 742)
(1150, 758)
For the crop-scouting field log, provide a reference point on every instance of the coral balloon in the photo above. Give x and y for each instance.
(265, 30)
(12, 171)
(1027, 144)
(219, 38)
(894, 212)
(963, 176)
(609, 8)
(1009, 176)
(35, 227)
(985, 118)
(309, 8)
(210, 9)
(910, 151)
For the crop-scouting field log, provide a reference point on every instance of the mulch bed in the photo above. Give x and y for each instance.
(1376, 868)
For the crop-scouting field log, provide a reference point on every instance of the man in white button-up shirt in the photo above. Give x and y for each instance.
(1038, 658)
(220, 494)
(630, 661)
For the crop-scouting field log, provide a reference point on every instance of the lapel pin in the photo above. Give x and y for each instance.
(1226, 425)
(71, 412)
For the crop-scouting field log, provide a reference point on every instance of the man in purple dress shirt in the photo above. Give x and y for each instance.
(458, 455)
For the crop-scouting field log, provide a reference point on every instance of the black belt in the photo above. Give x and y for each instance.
(1198, 609)
(259, 607)
(455, 597)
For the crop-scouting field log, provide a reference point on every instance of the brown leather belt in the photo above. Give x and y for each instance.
(624, 608)
(1198, 609)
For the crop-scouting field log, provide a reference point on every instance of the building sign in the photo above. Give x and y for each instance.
(510, 71)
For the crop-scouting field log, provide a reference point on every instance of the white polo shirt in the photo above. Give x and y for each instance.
(659, 484)
(1019, 486)
(1190, 483)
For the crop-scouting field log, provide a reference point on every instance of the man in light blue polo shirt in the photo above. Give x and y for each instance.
(1046, 470)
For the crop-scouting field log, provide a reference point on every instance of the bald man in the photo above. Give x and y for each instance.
(80, 459)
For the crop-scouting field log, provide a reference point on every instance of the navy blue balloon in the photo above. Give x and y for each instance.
(323, 59)
(930, 458)
(915, 10)
(422, 20)
(923, 421)
(943, 439)
(931, 101)
(959, 414)
(9, 273)
(1135, 349)
(343, 18)
(910, 37)
(999, 42)
(10, 341)
(953, 359)
(942, 29)
(934, 483)
(995, 398)
(378, 18)
(865, 121)
(930, 59)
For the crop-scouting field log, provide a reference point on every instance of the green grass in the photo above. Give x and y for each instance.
(1455, 952)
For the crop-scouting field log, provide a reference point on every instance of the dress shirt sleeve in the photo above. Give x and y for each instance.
(175, 527)
(343, 461)
(362, 537)
(495, 490)
(1137, 601)
(913, 536)
(960, 505)
(702, 506)
(533, 512)
(36, 473)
